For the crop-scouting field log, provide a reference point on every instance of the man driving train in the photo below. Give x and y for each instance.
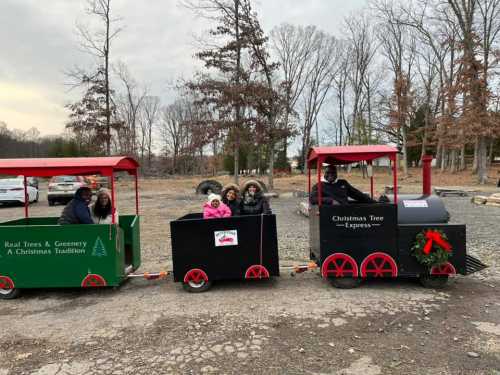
(337, 192)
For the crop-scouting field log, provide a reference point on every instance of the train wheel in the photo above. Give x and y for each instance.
(339, 265)
(445, 269)
(93, 281)
(196, 281)
(379, 265)
(433, 281)
(7, 288)
(257, 272)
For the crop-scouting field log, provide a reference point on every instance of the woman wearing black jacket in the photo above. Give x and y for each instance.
(231, 198)
(253, 201)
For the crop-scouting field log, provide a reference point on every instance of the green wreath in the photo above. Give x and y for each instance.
(431, 248)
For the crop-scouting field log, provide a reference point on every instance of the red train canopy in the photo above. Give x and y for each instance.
(48, 167)
(349, 154)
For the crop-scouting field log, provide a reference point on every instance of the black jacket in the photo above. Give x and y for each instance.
(76, 212)
(234, 205)
(259, 205)
(338, 193)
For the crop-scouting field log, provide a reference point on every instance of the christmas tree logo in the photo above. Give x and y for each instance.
(99, 249)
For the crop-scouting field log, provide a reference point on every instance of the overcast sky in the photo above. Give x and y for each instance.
(38, 43)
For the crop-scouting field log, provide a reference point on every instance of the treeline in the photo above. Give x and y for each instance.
(422, 75)
(29, 144)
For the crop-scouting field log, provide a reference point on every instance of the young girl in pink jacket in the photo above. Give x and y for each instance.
(214, 208)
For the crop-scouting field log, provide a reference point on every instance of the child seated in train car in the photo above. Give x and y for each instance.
(214, 208)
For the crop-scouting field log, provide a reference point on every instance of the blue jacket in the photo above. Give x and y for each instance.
(76, 211)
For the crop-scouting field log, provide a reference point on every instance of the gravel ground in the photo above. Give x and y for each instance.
(294, 325)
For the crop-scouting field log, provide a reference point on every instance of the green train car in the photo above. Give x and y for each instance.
(39, 253)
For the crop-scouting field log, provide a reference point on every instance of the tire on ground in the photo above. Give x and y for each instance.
(10, 293)
(209, 186)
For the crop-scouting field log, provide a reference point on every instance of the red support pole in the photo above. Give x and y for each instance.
(426, 174)
(136, 194)
(26, 198)
(318, 166)
(371, 180)
(395, 179)
(113, 210)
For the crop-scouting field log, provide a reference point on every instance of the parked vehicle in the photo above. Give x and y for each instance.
(12, 191)
(63, 188)
(32, 181)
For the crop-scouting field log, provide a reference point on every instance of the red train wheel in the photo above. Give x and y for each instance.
(257, 272)
(196, 281)
(8, 289)
(339, 265)
(379, 265)
(444, 269)
(6, 283)
(196, 277)
(93, 281)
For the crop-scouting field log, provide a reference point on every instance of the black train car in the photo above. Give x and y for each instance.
(207, 250)
(357, 241)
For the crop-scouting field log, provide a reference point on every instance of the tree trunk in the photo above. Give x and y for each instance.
(439, 154)
(490, 152)
(463, 164)
(106, 73)
(444, 159)
(453, 161)
(271, 166)
(405, 152)
(236, 163)
(238, 79)
(475, 161)
(482, 161)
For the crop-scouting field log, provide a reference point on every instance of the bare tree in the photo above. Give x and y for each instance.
(361, 43)
(399, 48)
(129, 107)
(173, 131)
(294, 47)
(148, 120)
(322, 70)
(98, 44)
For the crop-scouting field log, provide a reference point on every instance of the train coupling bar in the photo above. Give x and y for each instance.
(300, 268)
(149, 275)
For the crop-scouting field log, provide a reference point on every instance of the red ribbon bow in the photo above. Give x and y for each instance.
(435, 237)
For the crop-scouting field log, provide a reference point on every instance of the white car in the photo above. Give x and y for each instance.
(12, 191)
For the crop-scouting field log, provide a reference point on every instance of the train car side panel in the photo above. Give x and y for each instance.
(224, 248)
(358, 230)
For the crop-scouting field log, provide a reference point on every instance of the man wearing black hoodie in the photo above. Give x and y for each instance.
(335, 191)
(77, 210)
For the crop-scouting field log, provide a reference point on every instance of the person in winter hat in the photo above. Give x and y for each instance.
(231, 198)
(101, 210)
(214, 208)
(253, 201)
(77, 210)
